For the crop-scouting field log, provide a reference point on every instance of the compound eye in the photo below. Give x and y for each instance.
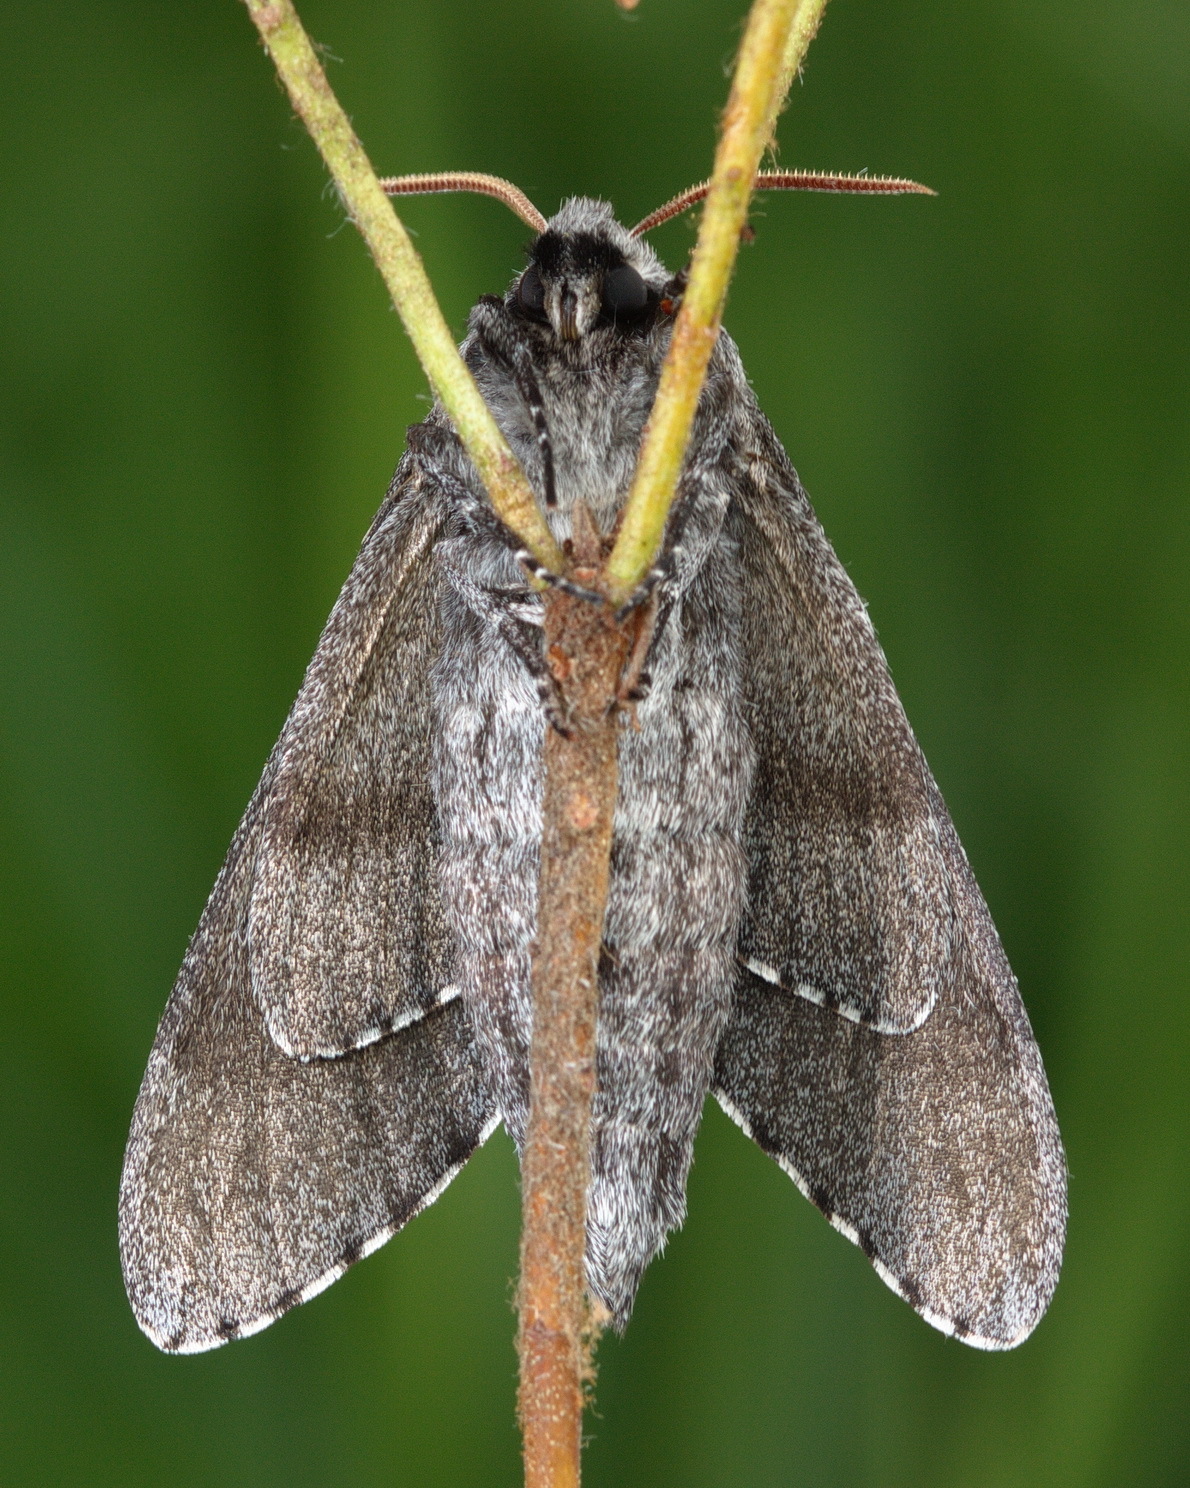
(531, 293)
(625, 293)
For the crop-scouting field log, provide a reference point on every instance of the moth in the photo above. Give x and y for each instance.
(792, 925)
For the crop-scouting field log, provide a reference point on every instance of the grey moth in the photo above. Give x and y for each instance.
(792, 925)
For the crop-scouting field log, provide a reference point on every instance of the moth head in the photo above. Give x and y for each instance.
(586, 272)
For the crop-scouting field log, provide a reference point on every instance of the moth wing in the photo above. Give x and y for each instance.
(936, 1151)
(347, 936)
(252, 1180)
(850, 899)
(920, 1122)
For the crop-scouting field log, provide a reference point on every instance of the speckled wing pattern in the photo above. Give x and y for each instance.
(347, 936)
(254, 1177)
(850, 903)
(920, 1122)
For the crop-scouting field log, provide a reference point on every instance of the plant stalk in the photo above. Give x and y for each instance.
(775, 41)
(806, 21)
(403, 273)
(587, 651)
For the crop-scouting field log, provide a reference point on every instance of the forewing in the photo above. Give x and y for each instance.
(850, 900)
(347, 935)
(252, 1179)
(936, 1151)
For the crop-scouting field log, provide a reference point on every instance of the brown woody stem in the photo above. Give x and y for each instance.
(587, 652)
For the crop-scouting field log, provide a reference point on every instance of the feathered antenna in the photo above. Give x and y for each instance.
(512, 196)
(787, 181)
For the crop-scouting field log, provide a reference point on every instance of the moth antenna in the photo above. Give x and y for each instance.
(788, 181)
(512, 196)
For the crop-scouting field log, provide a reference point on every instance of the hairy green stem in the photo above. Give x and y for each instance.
(403, 274)
(775, 41)
(805, 26)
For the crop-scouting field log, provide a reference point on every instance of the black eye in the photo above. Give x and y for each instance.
(531, 293)
(625, 293)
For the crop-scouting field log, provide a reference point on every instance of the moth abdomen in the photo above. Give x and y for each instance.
(678, 870)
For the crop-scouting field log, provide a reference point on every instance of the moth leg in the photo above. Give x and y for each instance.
(635, 682)
(515, 615)
(498, 338)
(526, 646)
(675, 550)
(670, 560)
(478, 511)
(552, 580)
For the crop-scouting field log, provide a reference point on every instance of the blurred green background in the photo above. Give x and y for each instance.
(988, 396)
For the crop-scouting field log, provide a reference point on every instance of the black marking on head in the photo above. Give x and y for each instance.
(577, 253)
(627, 301)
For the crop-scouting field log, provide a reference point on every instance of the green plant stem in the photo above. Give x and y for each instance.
(806, 22)
(775, 41)
(403, 274)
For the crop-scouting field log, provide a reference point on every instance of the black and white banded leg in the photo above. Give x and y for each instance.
(515, 614)
(496, 335)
